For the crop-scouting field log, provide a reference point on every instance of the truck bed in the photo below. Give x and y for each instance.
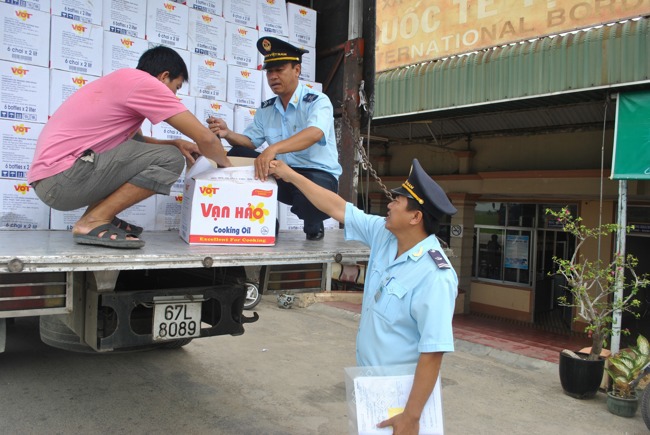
(55, 251)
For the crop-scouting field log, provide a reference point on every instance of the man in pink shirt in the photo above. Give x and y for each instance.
(90, 152)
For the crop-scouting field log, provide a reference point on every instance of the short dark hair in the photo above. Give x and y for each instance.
(431, 224)
(159, 59)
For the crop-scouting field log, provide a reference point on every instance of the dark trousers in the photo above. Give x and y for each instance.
(288, 194)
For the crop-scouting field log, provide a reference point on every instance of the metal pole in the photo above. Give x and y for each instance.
(620, 272)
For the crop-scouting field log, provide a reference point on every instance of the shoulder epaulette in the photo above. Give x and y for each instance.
(310, 98)
(440, 261)
(268, 102)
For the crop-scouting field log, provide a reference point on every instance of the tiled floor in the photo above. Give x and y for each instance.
(511, 336)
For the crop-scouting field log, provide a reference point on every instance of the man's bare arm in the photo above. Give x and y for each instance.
(208, 143)
(325, 200)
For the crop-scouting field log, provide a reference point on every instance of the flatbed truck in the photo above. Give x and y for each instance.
(166, 294)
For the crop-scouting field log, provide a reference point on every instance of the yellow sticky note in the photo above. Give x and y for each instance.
(392, 412)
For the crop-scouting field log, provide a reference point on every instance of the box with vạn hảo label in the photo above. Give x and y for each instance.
(228, 206)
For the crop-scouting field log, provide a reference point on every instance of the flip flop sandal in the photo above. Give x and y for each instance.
(120, 241)
(123, 225)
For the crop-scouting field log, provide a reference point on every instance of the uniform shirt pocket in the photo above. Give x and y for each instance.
(391, 301)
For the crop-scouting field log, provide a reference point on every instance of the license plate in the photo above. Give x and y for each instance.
(175, 320)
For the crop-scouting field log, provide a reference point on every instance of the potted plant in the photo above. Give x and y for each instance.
(626, 369)
(591, 285)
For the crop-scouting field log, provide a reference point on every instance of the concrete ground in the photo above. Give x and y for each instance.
(283, 376)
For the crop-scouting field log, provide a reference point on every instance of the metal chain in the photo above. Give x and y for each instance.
(364, 156)
(368, 166)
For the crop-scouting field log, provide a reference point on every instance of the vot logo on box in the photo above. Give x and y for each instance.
(19, 71)
(78, 28)
(208, 190)
(126, 42)
(23, 15)
(22, 188)
(21, 129)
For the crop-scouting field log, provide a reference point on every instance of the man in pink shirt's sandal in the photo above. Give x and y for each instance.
(90, 152)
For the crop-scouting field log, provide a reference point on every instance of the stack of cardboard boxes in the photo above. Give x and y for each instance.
(51, 48)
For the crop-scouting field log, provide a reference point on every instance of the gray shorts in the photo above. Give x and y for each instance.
(93, 177)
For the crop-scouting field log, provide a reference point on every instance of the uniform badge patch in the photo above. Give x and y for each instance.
(310, 98)
(439, 259)
(268, 102)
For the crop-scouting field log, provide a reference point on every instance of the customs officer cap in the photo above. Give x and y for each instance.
(420, 187)
(276, 52)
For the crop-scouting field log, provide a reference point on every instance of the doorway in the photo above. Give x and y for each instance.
(549, 314)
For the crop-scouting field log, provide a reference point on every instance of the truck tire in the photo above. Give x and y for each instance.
(253, 296)
(55, 333)
(177, 344)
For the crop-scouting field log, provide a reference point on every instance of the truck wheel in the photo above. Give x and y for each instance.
(253, 296)
(55, 333)
(176, 344)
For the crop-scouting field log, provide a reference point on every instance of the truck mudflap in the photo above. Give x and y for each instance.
(132, 319)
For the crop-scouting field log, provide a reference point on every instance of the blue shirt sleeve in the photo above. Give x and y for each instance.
(320, 116)
(360, 226)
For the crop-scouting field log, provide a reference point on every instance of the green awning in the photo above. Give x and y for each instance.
(604, 57)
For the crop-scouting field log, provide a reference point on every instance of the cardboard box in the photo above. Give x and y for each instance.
(25, 35)
(267, 92)
(243, 116)
(219, 109)
(308, 66)
(167, 23)
(142, 214)
(313, 85)
(208, 77)
(76, 46)
(76, 10)
(241, 12)
(228, 206)
(121, 51)
(214, 7)
(23, 92)
(207, 34)
(272, 18)
(244, 86)
(63, 84)
(35, 5)
(147, 127)
(168, 211)
(126, 17)
(17, 146)
(302, 25)
(241, 46)
(20, 208)
(65, 220)
(289, 221)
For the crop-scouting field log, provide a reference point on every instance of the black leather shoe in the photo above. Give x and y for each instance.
(317, 235)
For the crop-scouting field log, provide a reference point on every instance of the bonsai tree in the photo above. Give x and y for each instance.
(593, 282)
(626, 367)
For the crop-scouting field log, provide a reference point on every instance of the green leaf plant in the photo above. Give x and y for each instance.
(592, 283)
(625, 368)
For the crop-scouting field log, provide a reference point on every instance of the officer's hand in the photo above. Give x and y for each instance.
(280, 170)
(402, 425)
(218, 126)
(263, 162)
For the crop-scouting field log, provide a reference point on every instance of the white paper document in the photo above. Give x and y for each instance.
(381, 397)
